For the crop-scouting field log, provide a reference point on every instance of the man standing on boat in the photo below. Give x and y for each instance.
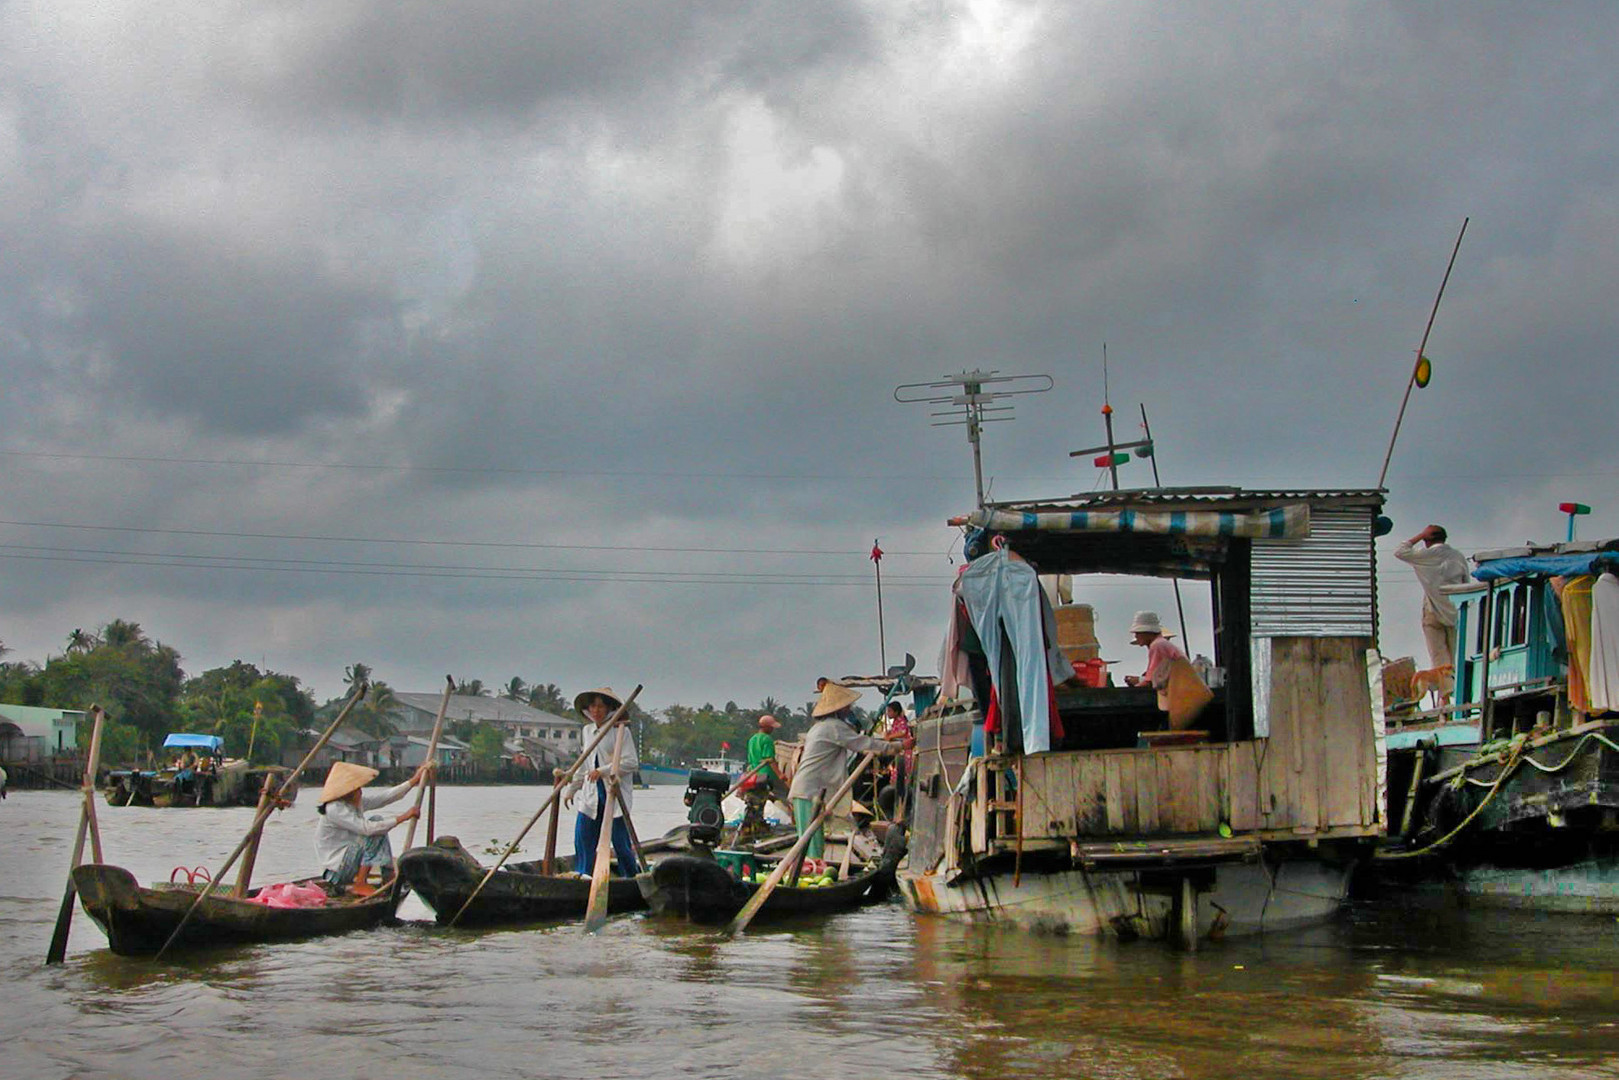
(829, 750)
(762, 756)
(1437, 564)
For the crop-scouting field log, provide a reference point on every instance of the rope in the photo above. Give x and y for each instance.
(1507, 770)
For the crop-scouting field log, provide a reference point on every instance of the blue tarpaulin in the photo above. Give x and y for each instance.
(1589, 562)
(212, 743)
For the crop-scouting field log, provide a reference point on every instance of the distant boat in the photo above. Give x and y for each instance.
(214, 780)
(663, 775)
(725, 763)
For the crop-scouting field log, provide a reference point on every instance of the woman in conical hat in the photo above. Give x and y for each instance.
(597, 706)
(346, 839)
(829, 750)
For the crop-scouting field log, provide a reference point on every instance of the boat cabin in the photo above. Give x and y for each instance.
(1286, 748)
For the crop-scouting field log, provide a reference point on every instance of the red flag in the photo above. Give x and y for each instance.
(725, 746)
(876, 552)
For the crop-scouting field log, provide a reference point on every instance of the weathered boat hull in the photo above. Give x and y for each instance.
(138, 920)
(699, 889)
(444, 874)
(1245, 898)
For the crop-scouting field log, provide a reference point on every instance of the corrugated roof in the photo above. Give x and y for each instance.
(1200, 497)
(494, 710)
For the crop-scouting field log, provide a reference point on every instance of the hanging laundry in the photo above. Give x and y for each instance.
(1602, 666)
(1005, 603)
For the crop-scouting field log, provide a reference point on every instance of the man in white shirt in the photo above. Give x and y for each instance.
(1436, 564)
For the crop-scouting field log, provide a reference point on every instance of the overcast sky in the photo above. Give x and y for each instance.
(421, 298)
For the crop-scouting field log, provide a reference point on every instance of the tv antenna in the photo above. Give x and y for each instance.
(1113, 454)
(970, 404)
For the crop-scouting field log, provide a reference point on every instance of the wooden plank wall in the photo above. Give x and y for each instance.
(1316, 771)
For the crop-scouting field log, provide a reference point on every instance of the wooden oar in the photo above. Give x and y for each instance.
(432, 754)
(757, 900)
(629, 826)
(263, 812)
(432, 803)
(596, 909)
(551, 826)
(64, 917)
(562, 778)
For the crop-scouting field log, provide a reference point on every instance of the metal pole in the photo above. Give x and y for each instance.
(1146, 429)
(882, 641)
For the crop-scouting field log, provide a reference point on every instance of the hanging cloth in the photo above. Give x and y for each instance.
(1602, 666)
(1577, 626)
(1007, 609)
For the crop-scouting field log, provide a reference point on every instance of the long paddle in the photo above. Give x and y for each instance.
(263, 812)
(596, 909)
(64, 917)
(244, 877)
(432, 755)
(561, 779)
(757, 900)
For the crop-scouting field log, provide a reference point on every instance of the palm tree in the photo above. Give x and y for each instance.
(516, 690)
(374, 716)
(121, 633)
(356, 674)
(471, 688)
(770, 705)
(547, 697)
(79, 641)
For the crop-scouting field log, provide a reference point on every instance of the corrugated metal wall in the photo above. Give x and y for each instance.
(1320, 586)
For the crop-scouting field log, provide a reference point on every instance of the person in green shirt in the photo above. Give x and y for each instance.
(762, 748)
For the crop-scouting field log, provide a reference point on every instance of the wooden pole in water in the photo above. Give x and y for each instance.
(432, 803)
(87, 814)
(596, 909)
(263, 812)
(552, 802)
(757, 900)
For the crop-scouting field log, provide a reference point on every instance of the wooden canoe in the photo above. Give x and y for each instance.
(138, 920)
(698, 888)
(444, 874)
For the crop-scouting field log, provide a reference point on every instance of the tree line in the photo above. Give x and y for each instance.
(147, 695)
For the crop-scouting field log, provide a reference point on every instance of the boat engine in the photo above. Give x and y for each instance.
(704, 792)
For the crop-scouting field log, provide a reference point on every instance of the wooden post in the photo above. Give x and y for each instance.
(551, 826)
(263, 812)
(550, 803)
(57, 950)
(245, 878)
(432, 803)
(757, 901)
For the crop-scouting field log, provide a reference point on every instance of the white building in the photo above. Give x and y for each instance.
(556, 738)
(32, 734)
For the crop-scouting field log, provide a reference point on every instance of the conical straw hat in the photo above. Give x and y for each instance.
(613, 700)
(834, 697)
(344, 777)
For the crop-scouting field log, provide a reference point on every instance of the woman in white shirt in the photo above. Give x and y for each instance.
(346, 839)
(596, 706)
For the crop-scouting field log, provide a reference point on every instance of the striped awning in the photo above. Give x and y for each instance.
(1283, 523)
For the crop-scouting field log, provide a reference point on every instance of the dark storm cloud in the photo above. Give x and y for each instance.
(649, 274)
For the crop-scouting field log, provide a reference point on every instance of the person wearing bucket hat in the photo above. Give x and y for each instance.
(346, 840)
(829, 750)
(597, 706)
(1148, 632)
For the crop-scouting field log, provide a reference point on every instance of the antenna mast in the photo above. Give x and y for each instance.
(970, 404)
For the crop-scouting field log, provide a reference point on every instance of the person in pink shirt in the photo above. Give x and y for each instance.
(1148, 632)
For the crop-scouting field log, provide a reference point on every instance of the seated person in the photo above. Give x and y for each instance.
(345, 839)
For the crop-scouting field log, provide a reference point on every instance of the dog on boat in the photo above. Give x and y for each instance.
(1436, 681)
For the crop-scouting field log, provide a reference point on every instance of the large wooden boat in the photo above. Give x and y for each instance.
(138, 919)
(444, 874)
(1509, 796)
(1105, 823)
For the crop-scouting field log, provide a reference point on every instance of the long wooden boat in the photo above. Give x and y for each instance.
(138, 919)
(444, 874)
(698, 888)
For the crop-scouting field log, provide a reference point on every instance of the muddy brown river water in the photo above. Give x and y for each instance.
(1419, 991)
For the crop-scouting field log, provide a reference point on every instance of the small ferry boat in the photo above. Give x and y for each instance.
(1076, 811)
(211, 780)
(1510, 795)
